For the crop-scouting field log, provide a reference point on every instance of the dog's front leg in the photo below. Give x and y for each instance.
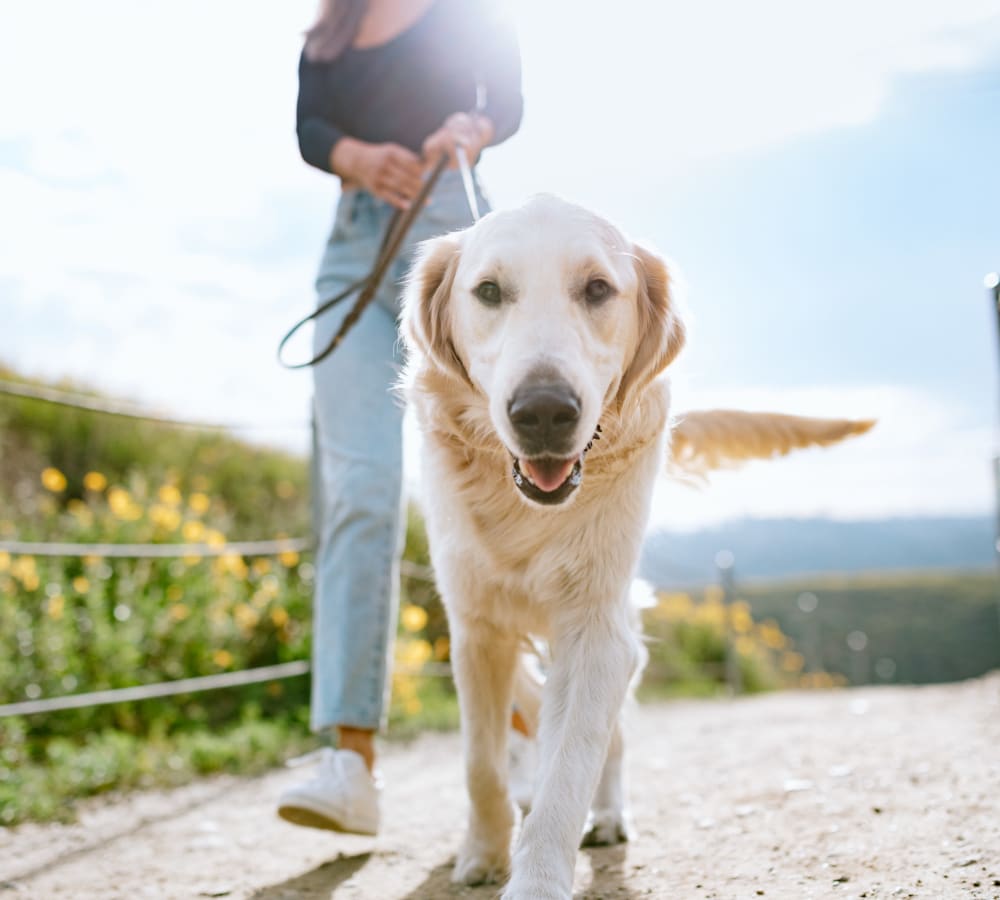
(584, 694)
(483, 661)
(609, 819)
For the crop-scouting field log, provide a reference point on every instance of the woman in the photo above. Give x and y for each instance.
(385, 88)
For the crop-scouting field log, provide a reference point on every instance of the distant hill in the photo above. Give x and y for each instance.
(778, 548)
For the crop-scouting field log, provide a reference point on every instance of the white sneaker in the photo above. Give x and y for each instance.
(522, 762)
(342, 795)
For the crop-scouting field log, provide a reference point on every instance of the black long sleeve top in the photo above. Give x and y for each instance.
(403, 90)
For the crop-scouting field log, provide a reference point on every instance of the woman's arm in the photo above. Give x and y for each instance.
(390, 172)
(317, 134)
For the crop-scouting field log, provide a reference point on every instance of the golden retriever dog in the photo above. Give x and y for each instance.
(536, 343)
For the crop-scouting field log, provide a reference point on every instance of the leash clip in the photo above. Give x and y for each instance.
(467, 182)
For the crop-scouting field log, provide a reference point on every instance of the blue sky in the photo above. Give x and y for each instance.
(824, 179)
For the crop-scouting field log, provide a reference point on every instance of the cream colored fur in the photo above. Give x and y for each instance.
(508, 568)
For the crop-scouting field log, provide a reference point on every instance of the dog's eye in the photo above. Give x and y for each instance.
(488, 292)
(597, 289)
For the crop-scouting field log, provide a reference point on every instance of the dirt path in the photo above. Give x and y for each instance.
(873, 793)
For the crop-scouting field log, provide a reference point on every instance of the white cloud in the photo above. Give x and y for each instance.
(623, 98)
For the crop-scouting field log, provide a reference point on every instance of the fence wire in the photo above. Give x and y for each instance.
(157, 551)
(190, 686)
(128, 411)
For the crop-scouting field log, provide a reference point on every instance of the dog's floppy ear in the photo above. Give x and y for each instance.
(426, 313)
(660, 330)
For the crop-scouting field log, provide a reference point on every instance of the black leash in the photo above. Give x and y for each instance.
(392, 240)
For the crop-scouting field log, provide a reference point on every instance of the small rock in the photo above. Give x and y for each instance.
(859, 707)
(795, 785)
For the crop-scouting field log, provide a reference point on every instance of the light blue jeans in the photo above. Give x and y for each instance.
(358, 460)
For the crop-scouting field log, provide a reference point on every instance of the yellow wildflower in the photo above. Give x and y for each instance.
(404, 686)
(279, 616)
(770, 633)
(179, 612)
(233, 564)
(414, 618)
(215, 538)
(245, 616)
(53, 480)
(120, 502)
(4, 561)
(164, 516)
(261, 566)
(792, 661)
(95, 481)
(413, 653)
(673, 606)
(55, 606)
(741, 619)
(81, 584)
(193, 531)
(289, 558)
(24, 567)
(710, 613)
(170, 495)
(199, 502)
(222, 658)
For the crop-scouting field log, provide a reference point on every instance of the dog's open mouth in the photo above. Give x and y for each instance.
(547, 479)
(551, 479)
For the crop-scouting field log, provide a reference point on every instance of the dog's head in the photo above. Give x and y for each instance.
(553, 317)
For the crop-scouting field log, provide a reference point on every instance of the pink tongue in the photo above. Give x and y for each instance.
(548, 474)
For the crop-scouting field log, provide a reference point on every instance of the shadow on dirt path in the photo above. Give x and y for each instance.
(318, 883)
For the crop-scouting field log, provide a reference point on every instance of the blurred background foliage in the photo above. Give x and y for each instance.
(78, 625)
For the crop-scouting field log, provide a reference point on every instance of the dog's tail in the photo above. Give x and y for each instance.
(722, 438)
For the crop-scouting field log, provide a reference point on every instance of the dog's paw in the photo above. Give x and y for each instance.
(610, 826)
(478, 866)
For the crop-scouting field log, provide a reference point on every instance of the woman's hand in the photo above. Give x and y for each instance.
(390, 172)
(459, 130)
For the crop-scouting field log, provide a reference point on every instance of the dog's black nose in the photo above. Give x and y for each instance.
(544, 415)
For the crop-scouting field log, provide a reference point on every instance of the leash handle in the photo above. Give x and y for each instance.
(392, 241)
